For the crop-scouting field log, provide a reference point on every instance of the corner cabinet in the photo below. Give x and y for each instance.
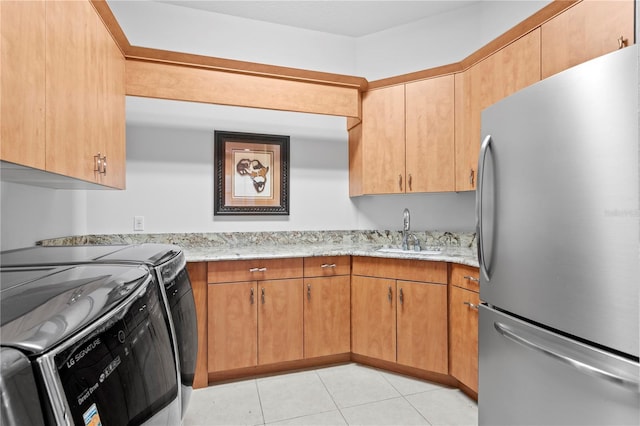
(585, 31)
(503, 73)
(405, 141)
(463, 325)
(399, 312)
(66, 109)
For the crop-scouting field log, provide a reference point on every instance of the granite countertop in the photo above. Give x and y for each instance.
(456, 247)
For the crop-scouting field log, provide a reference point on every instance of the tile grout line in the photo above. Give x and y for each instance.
(255, 382)
(332, 398)
(405, 398)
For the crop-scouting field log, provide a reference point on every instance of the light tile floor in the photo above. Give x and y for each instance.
(349, 394)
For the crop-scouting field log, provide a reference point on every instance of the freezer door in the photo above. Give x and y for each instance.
(558, 202)
(529, 376)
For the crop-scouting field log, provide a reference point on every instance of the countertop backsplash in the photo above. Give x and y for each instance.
(456, 247)
(244, 239)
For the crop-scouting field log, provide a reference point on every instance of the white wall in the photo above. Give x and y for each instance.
(170, 145)
(439, 40)
(180, 29)
(170, 177)
(30, 213)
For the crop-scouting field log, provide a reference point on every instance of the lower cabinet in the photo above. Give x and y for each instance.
(422, 326)
(254, 323)
(263, 312)
(463, 325)
(373, 317)
(233, 326)
(279, 321)
(327, 306)
(293, 313)
(398, 318)
(254, 313)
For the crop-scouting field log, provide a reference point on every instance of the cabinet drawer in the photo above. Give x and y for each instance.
(253, 270)
(401, 269)
(465, 276)
(327, 266)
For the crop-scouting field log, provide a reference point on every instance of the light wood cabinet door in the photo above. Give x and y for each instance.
(327, 316)
(490, 80)
(232, 326)
(22, 83)
(85, 111)
(430, 145)
(383, 141)
(373, 317)
(110, 79)
(280, 333)
(422, 326)
(587, 30)
(72, 109)
(463, 340)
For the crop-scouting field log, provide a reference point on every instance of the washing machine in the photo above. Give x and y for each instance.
(168, 266)
(85, 345)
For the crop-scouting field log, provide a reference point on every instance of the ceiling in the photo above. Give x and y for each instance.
(355, 18)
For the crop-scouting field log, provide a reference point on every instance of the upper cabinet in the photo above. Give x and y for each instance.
(69, 115)
(440, 109)
(22, 82)
(506, 71)
(380, 168)
(430, 135)
(585, 31)
(405, 141)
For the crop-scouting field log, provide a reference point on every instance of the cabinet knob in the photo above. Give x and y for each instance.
(309, 292)
(257, 269)
(390, 294)
(470, 278)
(410, 182)
(400, 182)
(401, 295)
(262, 296)
(251, 298)
(622, 42)
(471, 176)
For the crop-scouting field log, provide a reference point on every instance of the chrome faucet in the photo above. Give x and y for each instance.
(406, 219)
(406, 235)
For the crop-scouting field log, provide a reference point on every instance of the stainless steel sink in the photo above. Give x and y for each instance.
(425, 251)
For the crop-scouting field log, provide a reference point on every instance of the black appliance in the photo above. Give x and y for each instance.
(93, 343)
(168, 266)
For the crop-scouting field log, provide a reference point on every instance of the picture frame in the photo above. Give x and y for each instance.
(251, 174)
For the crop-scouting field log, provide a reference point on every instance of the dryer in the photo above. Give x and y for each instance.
(92, 341)
(168, 266)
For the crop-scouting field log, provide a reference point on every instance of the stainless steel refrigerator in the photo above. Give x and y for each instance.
(558, 211)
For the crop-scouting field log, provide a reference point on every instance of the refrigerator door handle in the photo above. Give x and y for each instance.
(481, 160)
(591, 370)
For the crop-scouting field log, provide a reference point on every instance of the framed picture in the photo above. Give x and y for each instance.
(251, 174)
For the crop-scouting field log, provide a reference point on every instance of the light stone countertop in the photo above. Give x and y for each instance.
(456, 247)
(465, 256)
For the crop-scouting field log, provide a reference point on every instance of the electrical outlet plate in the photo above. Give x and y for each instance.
(138, 223)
